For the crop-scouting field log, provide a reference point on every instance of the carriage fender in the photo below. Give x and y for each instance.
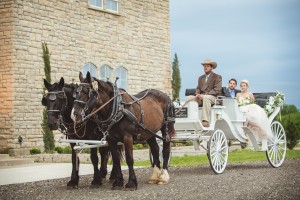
(230, 130)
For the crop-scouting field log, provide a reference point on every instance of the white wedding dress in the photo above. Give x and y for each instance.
(257, 120)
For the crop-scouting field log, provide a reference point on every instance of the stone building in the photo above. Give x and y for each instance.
(109, 38)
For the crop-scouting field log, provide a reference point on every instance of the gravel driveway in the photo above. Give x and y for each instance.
(257, 180)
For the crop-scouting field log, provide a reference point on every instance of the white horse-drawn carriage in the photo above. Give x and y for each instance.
(227, 123)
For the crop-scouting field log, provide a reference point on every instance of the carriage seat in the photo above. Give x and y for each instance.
(189, 92)
(262, 98)
(192, 91)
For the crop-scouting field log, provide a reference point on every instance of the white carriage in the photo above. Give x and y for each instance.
(227, 124)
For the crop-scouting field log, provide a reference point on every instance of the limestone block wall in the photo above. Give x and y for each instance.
(137, 38)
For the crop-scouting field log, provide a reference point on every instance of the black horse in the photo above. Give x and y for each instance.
(128, 119)
(59, 103)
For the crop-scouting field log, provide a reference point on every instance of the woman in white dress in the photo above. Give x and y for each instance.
(256, 117)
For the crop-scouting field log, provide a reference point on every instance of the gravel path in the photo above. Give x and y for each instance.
(257, 180)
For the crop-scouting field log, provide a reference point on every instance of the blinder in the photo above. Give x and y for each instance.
(52, 96)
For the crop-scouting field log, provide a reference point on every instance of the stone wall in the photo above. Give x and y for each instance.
(137, 38)
(6, 75)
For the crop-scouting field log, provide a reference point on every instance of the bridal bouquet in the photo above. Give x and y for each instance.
(244, 102)
(273, 102)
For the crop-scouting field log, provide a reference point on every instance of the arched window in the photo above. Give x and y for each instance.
(89, 67)
(121, 72)
(105, 73)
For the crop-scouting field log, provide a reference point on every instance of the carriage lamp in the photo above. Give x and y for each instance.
(20, 139)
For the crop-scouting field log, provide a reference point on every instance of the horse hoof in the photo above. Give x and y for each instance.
(152, 181)
(72, 186)
(95, 183)
(162, 183)
(130, 189)
(117, 188)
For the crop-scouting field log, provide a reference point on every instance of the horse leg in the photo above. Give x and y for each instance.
(128, 144)
(97, 181)
(113, 173)
(73, 183)
(104, 160)
(119, 180)
(164, 177)
(153, 179)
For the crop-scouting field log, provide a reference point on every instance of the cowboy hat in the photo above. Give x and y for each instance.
(210, 62)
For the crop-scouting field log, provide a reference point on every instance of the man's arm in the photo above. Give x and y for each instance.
(217, 88)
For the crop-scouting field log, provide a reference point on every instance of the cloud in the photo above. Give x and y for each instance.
(254, 40)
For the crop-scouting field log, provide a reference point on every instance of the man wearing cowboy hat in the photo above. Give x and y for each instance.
(209, 87)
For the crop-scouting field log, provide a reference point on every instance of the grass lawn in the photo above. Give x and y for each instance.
(244, 155)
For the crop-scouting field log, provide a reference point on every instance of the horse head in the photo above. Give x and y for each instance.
(90, 95)
(55, 101)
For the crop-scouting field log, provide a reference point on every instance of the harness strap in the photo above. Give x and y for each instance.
(134, 120)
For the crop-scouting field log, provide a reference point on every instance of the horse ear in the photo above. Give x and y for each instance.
(61, 82)
(88, 76)
(47, 84)
(80, 77)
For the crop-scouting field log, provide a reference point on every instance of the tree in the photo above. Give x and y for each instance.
(48, 136)
(291, 124)
(292, 134)
(288, 109)
(176, 80)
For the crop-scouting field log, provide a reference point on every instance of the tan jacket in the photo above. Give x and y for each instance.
(213, 86)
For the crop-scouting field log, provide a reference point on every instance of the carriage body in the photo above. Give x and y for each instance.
(227, 123)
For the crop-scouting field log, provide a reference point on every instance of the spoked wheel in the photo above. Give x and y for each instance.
(277, 145)
(218, 151)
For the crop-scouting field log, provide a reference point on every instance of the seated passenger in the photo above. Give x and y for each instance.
(231, 91)
(256, 117)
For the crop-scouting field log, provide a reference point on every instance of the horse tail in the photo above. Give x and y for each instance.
(170, 119)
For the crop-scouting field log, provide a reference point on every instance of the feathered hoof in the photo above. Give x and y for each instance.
(164, 178)
(153, 181)
(154, 178)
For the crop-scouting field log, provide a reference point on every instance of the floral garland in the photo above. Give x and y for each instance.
(273, 102)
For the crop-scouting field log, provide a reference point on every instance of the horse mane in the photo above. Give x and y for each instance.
(107, 86)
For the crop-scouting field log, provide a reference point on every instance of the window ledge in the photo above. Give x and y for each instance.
(103, 10)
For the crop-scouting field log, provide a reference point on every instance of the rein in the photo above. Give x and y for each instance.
(98, 109)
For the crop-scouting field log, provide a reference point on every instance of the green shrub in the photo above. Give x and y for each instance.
(59, 149)
(138, 146)
(88, 150)
(67, 150)
(35, 150)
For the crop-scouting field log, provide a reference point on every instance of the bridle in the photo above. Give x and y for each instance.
(53, 97)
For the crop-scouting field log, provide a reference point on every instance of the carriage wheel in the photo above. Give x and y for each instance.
(218, 151)
(161, 158)
(277, 145)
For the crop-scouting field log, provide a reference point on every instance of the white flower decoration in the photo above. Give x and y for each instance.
(274, 102)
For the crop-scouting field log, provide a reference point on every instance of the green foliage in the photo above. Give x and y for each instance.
(46, 58)
(59, 149)
(291, 124)
(238, 156)
(67, 150)
(48, 136)
(138, 146)
(34, 150)
(288, 109)
(176, 79)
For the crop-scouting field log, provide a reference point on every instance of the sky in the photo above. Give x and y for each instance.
(257, 40)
